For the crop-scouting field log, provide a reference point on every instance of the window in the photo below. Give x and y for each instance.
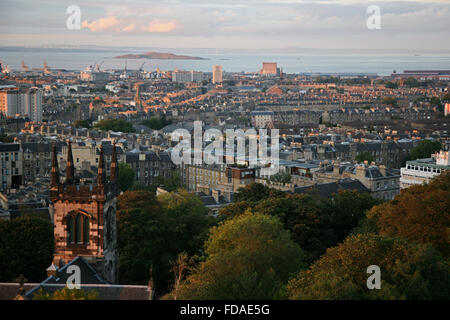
(86, 230)
(77, 228)
(70, 229)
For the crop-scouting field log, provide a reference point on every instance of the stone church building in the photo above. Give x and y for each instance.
(84, 216)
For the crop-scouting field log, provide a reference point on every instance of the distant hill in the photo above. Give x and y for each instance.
(158, 55)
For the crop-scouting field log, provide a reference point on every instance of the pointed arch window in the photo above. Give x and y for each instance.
(70, 229)
(78, 227)
(86, 229)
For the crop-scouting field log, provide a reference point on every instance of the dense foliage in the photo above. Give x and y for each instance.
(82, 124)
(66, 294)
(153, 231)
(424, 150)
(408, 271)
(156, 123)
(249, 257)
(26, 247)
(315, 224)
(420, 214)
(365, 156)
(118, 125)
(126, 176)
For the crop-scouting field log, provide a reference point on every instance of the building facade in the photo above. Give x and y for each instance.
(423, 170)
(11, 174)
(217, 74)
(21, 102)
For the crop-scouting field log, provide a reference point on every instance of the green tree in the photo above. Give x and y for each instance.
(412, 82)
(153, 231)
(234, 209)
(66, 294)
(82, 124)
(300, 214)
(5, 138)
(435, 101)
(118, 125)
(126, 176)
(424, 150)
(281, 177)
(408, 271)
(249, 257)
(156, 123)
(255, 192)
(345, 211)
(26, 247)
(315, 223)
(390, 100)
(365, 156)
(172, 183)
(392, 85)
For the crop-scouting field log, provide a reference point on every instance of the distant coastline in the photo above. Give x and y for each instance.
(158, 55)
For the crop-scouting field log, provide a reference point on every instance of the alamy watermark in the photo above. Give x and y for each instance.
(374, 281)
(374, 20)
(208, 147)
(74, 280)
(73, 22)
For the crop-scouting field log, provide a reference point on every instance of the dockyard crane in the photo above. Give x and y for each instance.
(24, 66)
(98, 66)
(142, 65)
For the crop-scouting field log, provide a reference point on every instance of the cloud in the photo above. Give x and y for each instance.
(114, 24)
(160, 26)
(129, 28)
(102, 24)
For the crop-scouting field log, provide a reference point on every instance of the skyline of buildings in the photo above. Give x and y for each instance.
(339, 132)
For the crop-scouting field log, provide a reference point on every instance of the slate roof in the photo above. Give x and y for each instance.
(326, 190)
(90, 280)
(9, 147)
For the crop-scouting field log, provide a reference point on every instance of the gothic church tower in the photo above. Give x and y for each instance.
(85, 216)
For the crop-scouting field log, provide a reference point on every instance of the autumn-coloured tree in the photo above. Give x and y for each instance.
(315, 223)
(234, 209)
(420, 213)
(179, 267)
(248, 257)
(408, 271)
(66, 294)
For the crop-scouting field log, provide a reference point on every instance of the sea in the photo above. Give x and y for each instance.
(231, 62)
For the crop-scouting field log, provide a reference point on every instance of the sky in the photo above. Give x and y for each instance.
(246, 24)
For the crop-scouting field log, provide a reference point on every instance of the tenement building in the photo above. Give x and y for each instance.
(11, 175)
